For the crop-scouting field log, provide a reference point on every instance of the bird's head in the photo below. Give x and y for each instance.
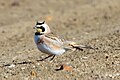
(42, 27)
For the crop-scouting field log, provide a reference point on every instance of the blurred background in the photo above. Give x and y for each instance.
(93, 22)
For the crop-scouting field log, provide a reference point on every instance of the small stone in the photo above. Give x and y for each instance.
(106, 57)
(11, 66)
(112, 62)
(33, 66)
(38, 64)
(6, 76)
(22, 68)
(33, 74)
(84, 57)
(65, 67)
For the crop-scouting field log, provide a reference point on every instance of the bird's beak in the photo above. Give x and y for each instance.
(39, 30)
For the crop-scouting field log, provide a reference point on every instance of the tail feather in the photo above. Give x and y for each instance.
(77, 47)
(74, 46)
(80, 47)
(86, 46)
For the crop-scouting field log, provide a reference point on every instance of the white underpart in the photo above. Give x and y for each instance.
(46, 49)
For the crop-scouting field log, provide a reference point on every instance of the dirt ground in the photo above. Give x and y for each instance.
(88, 22)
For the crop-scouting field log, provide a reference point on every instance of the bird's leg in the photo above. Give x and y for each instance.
(46, 57)
(53, 56)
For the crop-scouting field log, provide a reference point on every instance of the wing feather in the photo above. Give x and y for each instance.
(54, 44)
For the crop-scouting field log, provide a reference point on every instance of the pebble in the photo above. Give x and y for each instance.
(22, 68)
(65, 68)
(38, 64)
(11, 66)
(84, 58)
(33, 74)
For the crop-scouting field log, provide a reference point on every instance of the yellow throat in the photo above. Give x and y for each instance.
(39, 30)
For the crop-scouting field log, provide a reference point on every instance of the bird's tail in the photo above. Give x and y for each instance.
(81, 47)
(74, 46)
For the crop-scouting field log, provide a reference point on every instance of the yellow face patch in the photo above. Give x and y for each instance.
(39, 30)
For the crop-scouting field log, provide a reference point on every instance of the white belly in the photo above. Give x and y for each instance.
(46, 49)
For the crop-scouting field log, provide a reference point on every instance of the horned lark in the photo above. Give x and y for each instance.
(52, 45)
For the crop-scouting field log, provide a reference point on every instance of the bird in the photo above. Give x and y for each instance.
(50, 44)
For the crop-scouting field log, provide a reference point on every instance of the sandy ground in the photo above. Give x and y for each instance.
(88, 22)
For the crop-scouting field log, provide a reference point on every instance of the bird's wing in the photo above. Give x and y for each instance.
(53, 36)
(54, 44)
